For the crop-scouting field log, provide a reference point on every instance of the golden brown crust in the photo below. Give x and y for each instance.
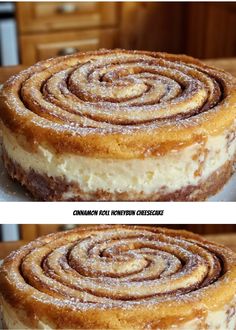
(118, 277)
(118, 104)
(43, 187)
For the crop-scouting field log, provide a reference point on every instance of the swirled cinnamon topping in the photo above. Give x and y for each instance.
(120, 108)
(101, 277)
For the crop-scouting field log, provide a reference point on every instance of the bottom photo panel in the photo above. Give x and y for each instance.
(118, 276)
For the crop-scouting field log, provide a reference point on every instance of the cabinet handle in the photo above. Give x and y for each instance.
(67, 227)
(67, 51)
(67, 8)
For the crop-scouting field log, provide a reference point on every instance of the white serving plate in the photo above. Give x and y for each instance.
(12, 191)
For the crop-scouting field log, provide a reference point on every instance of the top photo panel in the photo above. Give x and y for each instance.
(106, 101)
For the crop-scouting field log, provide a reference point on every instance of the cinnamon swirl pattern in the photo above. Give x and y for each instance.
(119, 277)
(120, 125)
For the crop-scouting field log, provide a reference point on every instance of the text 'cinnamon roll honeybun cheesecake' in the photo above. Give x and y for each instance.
(119, 277)
(120, 125)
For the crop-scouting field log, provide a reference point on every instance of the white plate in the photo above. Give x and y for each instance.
(12, 191)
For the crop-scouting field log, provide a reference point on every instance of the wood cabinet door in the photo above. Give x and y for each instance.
(31, 232)
(211, 30)
(38, 47)
(155, 26)
(35, 17)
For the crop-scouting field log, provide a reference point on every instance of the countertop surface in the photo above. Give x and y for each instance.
(6, 72)
(228, 64)
(226, 239)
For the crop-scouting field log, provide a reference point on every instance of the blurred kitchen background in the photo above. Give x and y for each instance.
(33, 31)
(27, 232)
(14, 236)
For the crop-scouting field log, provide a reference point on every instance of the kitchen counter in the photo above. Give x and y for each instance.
(228, 64)
(7, 247)
(228, 240)
(225, 239)
(7, 71)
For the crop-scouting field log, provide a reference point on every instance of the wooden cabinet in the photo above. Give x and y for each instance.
(30, 232)
(34, 17)
(203, 30)
(155, 26)
(210, 29)
(48, 29)
(42, 46)
(199, 29)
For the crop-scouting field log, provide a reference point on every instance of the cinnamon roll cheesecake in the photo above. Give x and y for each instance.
(119, 277)
(120, 125)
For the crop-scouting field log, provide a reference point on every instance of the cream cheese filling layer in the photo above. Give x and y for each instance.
(167, 173)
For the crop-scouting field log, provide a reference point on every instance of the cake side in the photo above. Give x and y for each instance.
(51, 176)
